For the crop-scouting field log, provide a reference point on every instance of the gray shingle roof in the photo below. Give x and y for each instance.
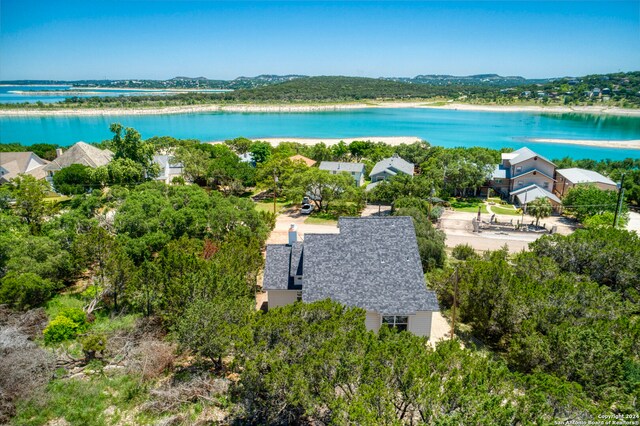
(277, 268)
(395, 164)
(373, 263)
(340, 166)
(576, 175)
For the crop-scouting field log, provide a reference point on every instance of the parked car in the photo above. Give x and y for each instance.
(306, 209)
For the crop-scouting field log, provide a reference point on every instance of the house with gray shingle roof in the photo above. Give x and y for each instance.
(80, 153)
(372, 264)
(14, 163)
(356, 170)
(387, 168)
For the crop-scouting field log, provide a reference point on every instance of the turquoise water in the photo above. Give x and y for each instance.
(33, 94)
(447, 128)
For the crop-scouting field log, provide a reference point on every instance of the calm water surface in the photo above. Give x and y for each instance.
(440, 127)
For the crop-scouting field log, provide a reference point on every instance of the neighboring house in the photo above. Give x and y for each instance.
(356, 170)
(373, 264)
(169, 168)
(80, 153)
(389, 167)
(247, 157)
(14, 163)
(568, 178)
(308, 161)
(520, 169)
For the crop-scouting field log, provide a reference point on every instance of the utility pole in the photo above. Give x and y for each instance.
(619, 204)
(275, 187)
(455, 302)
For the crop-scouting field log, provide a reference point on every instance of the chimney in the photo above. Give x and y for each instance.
(58, 152)
(293, 234)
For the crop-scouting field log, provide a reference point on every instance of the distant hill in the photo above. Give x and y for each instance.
(616, 89)
(478, 79)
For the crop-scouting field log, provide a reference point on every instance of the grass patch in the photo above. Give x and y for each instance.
(60, 302)
(321, 219)
(57, 199)
(473, 209)
(82, 402)
(267, 206)
(504, 210)
(469, 205)
(104, 324)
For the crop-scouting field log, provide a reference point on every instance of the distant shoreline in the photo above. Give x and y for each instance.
(619, 144)
(294, 108)
(389, 140)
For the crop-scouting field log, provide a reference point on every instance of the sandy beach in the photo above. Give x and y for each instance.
(190, 109)
(620, 144)
(390, 140)
(186, 109)
(554, 109)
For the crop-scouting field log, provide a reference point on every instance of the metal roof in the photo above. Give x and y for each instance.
(340, 166)
(524, 154)
(576, 175)
(528, 194)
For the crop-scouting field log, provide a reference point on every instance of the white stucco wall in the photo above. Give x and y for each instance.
(373, 321)
(420, 323)
(276, 298)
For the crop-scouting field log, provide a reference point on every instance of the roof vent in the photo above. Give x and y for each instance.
(535, 158)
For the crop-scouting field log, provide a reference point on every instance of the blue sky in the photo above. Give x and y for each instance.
(117, 39)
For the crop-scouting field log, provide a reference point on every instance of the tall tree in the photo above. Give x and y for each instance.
(29, 194)
(132, 147)
(539, 208)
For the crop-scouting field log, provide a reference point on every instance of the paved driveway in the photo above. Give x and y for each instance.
(280, 234)
(634, 222)
(458, 229)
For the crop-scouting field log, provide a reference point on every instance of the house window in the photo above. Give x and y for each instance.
(299, 296)
(520, 183)
(545, 184)
(498, 180)
(518, 169)
(395, 321)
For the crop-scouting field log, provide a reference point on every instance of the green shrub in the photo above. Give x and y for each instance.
(25, 291)
(60, 329)
(92, 343)
(464, 252)
(76, 315)
(68, 323)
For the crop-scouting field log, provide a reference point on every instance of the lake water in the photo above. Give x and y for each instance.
(440, 127)
(55, 93)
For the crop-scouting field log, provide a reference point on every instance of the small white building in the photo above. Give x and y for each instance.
(373, 264)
